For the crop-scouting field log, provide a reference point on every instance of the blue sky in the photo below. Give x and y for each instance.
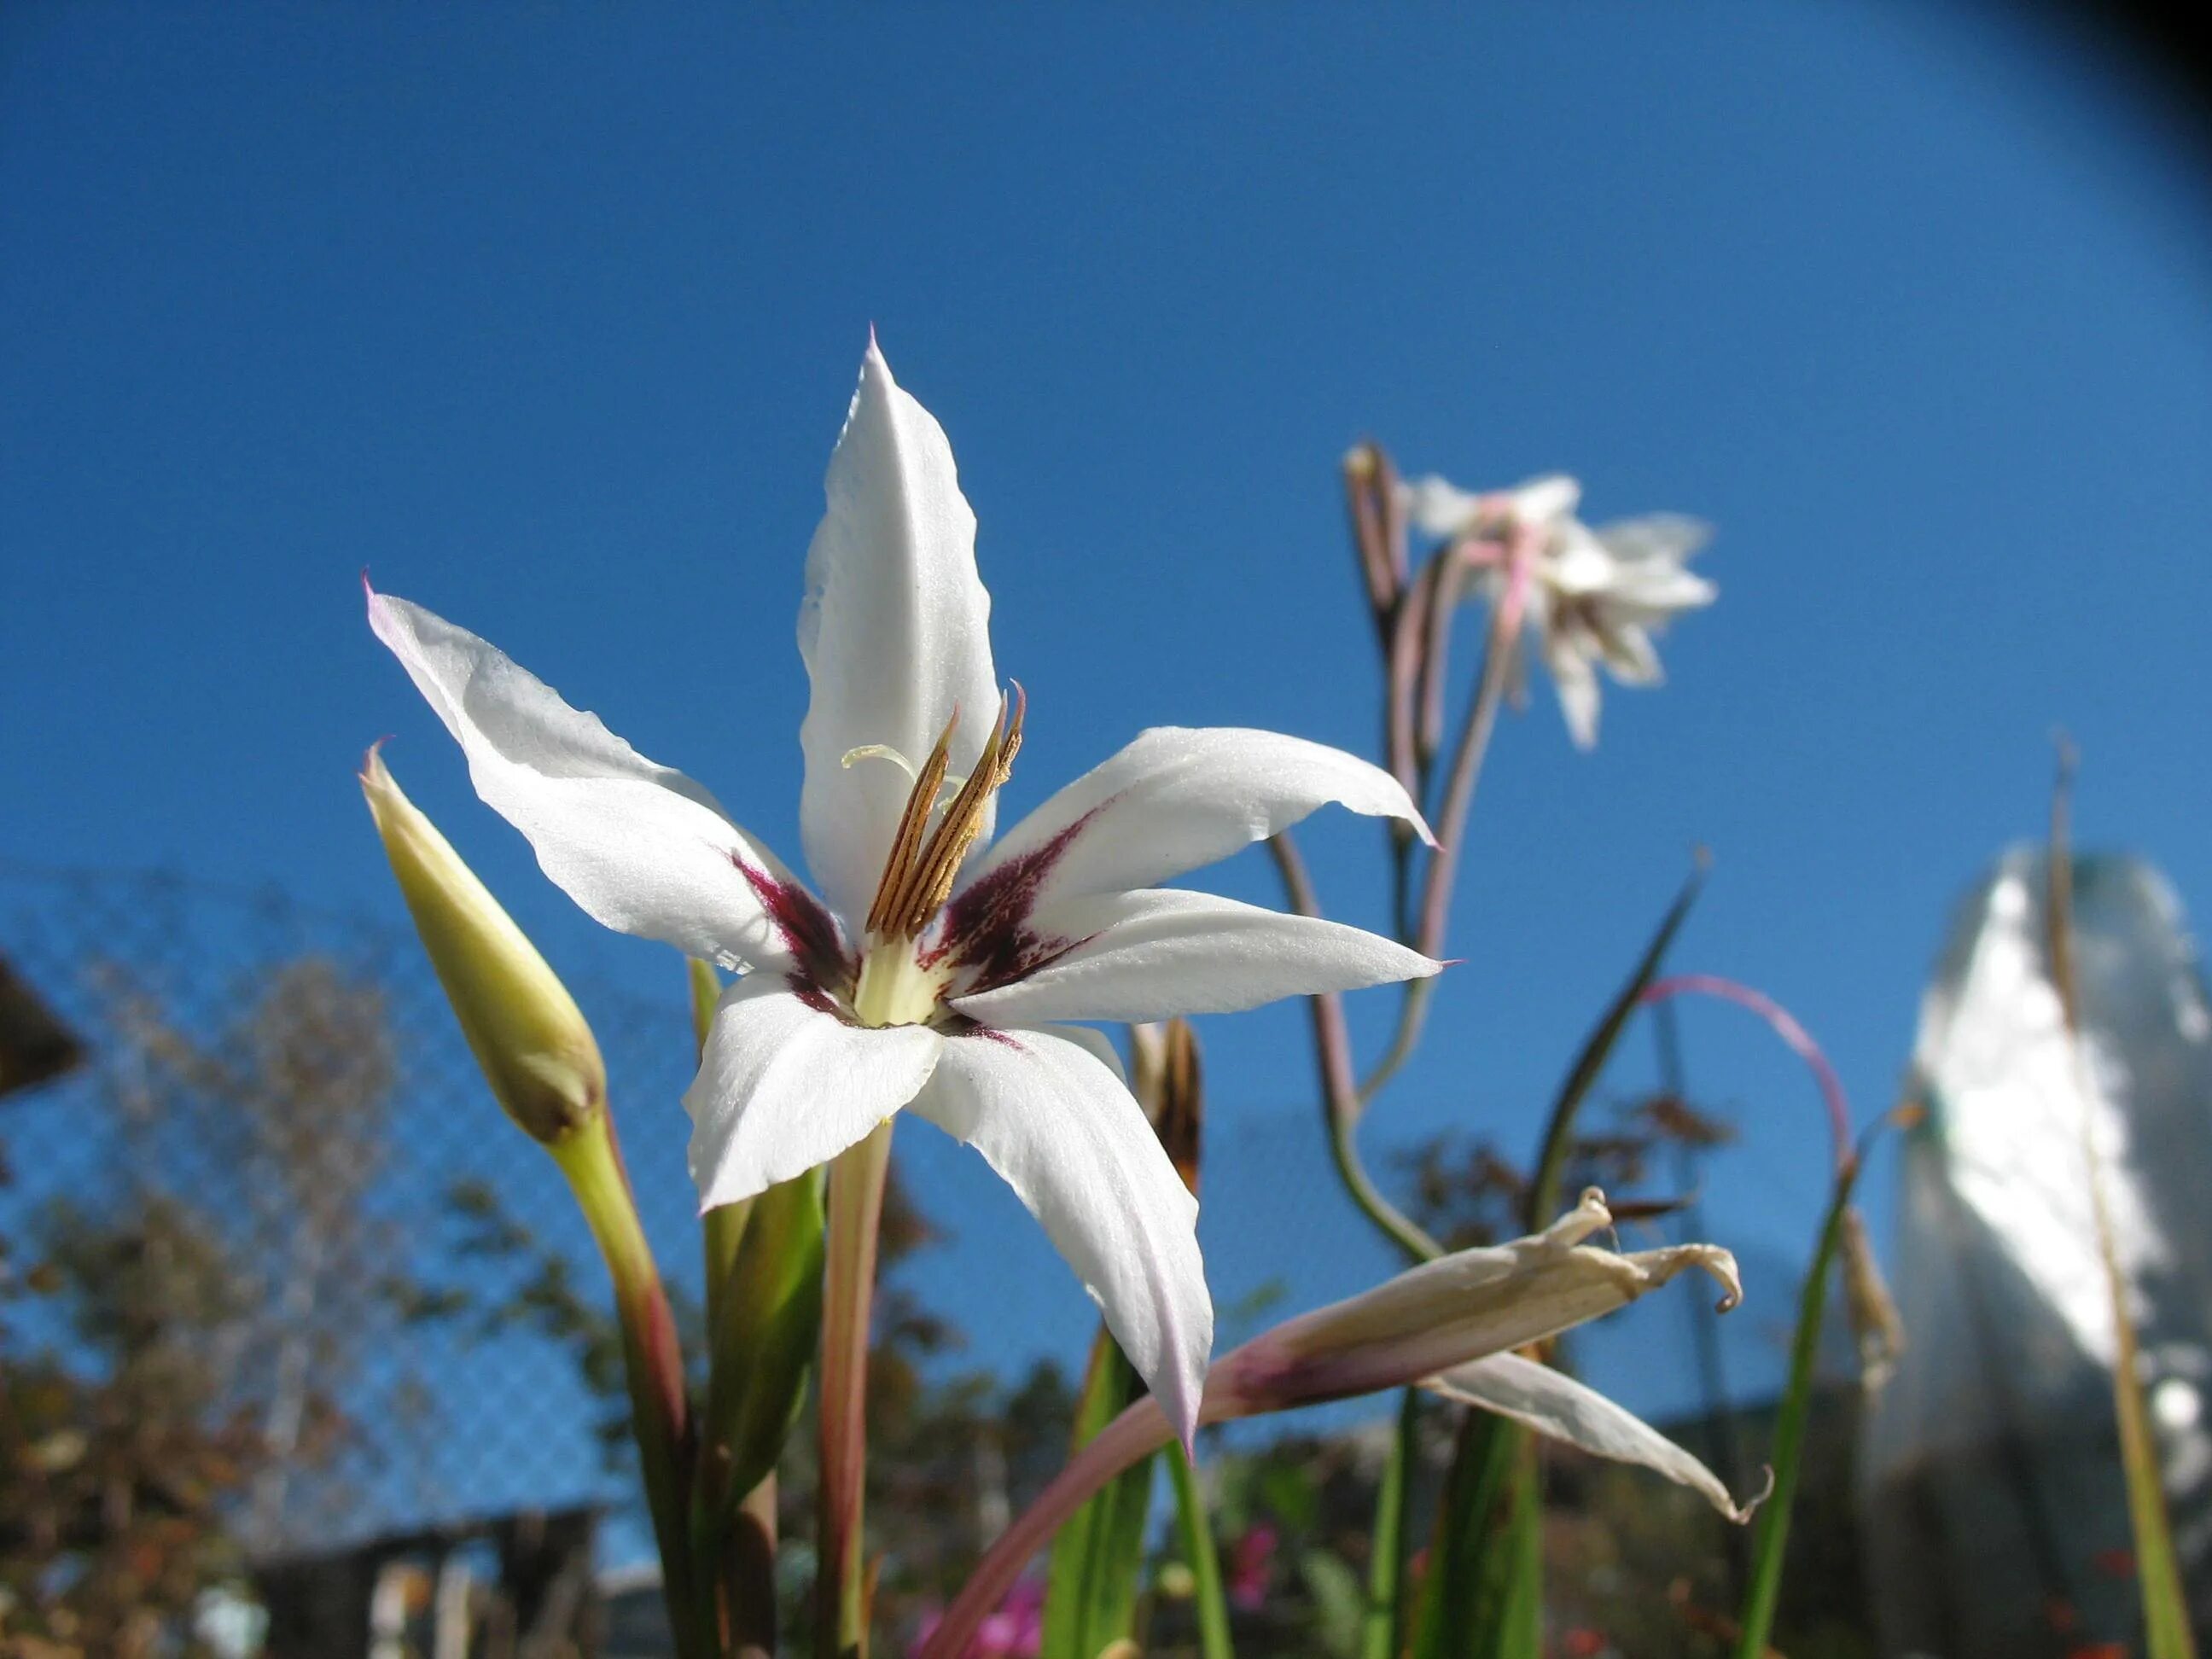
(549, 317)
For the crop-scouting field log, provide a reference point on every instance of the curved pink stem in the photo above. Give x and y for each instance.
(1785, 1026)
(1141, 1430)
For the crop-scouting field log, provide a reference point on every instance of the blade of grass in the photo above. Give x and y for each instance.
(1770, 1542)
(1206, 1597)
(1544, 1197)
(1382, 1625)
(1467, 1597)
(2158, 1577)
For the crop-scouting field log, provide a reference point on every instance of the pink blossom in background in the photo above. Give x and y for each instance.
(1251, 1565)
(1016, 1630)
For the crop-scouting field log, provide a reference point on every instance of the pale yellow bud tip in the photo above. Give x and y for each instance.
(523, 1028)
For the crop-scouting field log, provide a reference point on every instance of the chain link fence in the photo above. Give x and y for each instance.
(270, 1258)
(277, 1142)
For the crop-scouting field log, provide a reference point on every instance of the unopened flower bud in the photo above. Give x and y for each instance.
(525, 1030)
(1447, 1312)
(1166, 1083)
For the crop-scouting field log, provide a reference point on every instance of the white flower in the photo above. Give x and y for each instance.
(932, 972)
(1592, 596)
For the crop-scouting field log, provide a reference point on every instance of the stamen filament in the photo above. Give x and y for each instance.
(913, 822)
(922, 865)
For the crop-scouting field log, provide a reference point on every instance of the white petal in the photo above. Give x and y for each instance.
(1154, 954)
(1067, 1136)
(1663, 539)
(895, 632)
(1438, 506)
(1554, 1404)
(642, 848)
(784, 1085)
(1176, 798)
(1577, 564)
(1628, 651)
(1547, 500)
(1579, 696)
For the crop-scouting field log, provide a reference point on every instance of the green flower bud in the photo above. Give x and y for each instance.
(523, 1028)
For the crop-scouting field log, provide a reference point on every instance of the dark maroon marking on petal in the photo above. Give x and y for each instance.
(808, 930)
(986, 930)
(962, 1026)
(804, 989)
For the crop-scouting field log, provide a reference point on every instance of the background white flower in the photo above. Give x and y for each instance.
(1594, 596)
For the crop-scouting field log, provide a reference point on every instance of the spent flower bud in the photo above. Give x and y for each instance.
(523, 1028)
(1168, 1083)
(1876, 1330)
(1448, 1312)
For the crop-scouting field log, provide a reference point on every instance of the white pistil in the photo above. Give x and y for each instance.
(953, 784)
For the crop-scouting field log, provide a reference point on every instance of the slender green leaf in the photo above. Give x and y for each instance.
(1544, 1194)
(1091, 1581)
(1472, 1598)
(1211, 1604)
(1381, 1630)
(1771, 1539)
(2158, 1577)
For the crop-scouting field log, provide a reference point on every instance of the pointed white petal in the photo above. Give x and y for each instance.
(1576, 680)
(1547, 500)
(1655, 537)
(1159, 952)
(1554, 1404)
(895, 632)
(1628, 651)
(1175, 798)
(1097, 1043)
(1067, 1136)
(642, 848)
(1576, 563)
(1440, 508)
(785, 1084)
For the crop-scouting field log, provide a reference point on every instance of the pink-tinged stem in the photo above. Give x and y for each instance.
(1339, 1085)
(1474, 742)
(1428, 931)
(651, 1360)
(1137, 1432)
(1785, 1026)
(855, 1208)
(1402, 671)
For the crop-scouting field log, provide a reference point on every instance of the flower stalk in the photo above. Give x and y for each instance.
(2165, 1613)
(652, 1364)
(855, 1212)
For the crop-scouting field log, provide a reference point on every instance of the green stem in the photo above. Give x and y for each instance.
(1213, 1606)
(1339, 1089)
(1771, 1539)
(654, 1365)
(1381, 1633)
(855, 1208)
